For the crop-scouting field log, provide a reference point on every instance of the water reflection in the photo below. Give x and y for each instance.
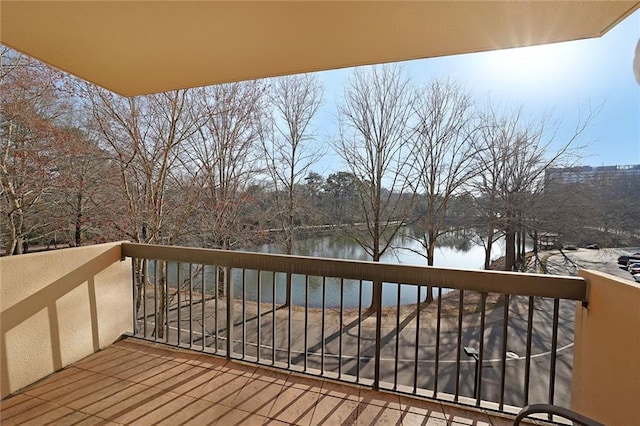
(317, 292)
(455, 250)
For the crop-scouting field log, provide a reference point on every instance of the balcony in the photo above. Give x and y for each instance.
(145, 383)
(535, 338)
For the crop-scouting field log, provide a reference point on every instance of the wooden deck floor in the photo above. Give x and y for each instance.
(135, 382)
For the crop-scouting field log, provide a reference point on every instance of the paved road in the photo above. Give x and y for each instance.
(603, 260)
(355, 345)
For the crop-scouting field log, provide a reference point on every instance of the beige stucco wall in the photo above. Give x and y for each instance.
(58, 307)
(606, 361)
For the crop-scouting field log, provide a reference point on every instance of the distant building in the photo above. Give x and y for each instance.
(584, 174)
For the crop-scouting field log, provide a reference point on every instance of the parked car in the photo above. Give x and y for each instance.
(636, 277)
(593, 247)
(570, 247)
(634, 268)
(623, 260)
(631, 262)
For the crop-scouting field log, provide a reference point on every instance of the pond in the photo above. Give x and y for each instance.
(456, 250)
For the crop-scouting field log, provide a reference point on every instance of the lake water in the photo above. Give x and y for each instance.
(455, 251)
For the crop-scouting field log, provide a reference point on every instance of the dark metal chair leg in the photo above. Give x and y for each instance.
(558, 411)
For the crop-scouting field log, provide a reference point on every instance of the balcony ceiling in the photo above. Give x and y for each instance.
(139, 47)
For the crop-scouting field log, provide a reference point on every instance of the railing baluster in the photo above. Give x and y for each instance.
(505, 329)
(203, 302)
(190, 305)
(322, 322)
(143, 299)
(359, 329)
(437, 360)
(340, 328)
(306, 320)
(258, 337)
(395, 369)
(554, 349)
(459, 345)
(166, 299)
(216, 289)
(417, 346)
(273, 320)
(289, 296)
(244, 310)
(527, 364)
(178, 291)
(478, 375)
(228, 275)
(155, 300)
(378, 339)
(134, 294)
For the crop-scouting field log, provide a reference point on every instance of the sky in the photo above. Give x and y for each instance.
(561, 79)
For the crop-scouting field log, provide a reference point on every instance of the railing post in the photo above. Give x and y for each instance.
(377, 289)
(229, 287)
(133, 294)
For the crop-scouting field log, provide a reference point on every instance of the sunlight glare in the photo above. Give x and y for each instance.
(544, 68)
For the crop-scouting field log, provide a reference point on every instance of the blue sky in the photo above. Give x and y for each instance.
(561, 79)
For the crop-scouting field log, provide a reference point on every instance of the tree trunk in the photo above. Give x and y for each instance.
(221, 284)
(376, 296)
(510, 250)
(487, 250)
(141, 277)
(78, 231)
(14, 243)
(162, 283)
(19, 247)
(220, 276)
(287, 300)
(289, 244)
(431, 248)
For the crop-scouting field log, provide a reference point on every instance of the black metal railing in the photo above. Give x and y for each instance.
(490, 339)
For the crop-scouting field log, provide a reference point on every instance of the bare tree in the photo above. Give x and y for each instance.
(227, 150)
(374, 131)
(295, 101)
(289, 151)
(443, 153)
(514, 154)
(492, 147)
(82, 188)
(29, 109)
(441, 157)
(145, 137)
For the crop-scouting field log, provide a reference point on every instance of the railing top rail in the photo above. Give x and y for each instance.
(573, 288)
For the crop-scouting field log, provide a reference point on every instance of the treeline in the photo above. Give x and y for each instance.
(219, 166)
